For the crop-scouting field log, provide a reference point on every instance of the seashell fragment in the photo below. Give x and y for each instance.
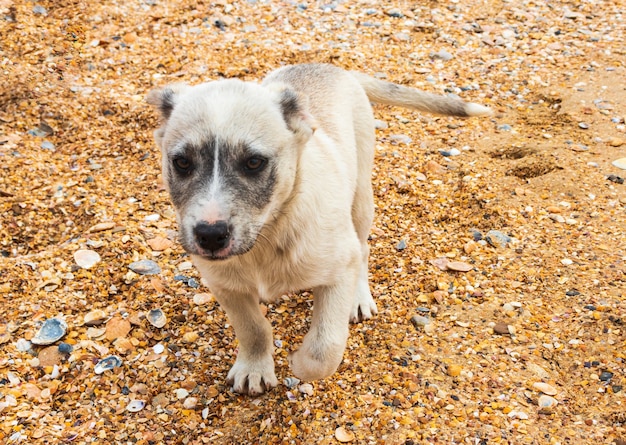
(95, 317)
(157, 318)
(343, 435)
(107, 363)
(135, 406)
(86, 258)
(459, 266)
(545, 388)
(145, 267)
(53, 329)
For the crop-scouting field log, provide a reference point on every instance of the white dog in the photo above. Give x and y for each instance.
(271, 185)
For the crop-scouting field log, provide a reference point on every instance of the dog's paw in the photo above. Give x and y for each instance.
(364, 306)
(252, 377)
(313, 363)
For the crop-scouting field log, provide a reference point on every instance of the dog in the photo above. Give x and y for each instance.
(271, 184)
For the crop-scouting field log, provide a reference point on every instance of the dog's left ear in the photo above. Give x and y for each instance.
(164, 99)
(294, 107)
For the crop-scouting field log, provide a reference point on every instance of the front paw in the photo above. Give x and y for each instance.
(252, 377)
(314, 362)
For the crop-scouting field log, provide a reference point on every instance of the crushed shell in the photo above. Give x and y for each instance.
(157, 318)
(107, 364)
(52, 330)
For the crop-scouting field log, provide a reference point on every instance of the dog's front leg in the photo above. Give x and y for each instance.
(323, 346)
(253, 371)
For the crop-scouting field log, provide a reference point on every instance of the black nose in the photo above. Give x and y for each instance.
(212, 237)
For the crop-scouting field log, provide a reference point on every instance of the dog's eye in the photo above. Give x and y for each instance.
(183, 165)
(254, 164)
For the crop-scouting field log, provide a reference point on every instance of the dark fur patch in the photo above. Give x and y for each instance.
(166, 105)
(289, 105)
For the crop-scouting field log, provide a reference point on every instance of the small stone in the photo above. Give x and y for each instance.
(50, 356)
(65, 348)
(497, 239)
(616, 142)
(181, 393)
(583, 125)
(454, 370)
(158, 348)
(440, 263)
(616, 179)
(86, 258)
(107, 363)
(23, 345)
(419, 321)
(145, 267)
(518, 415)
(157, 318)
(545, 388)
(400, 139)
(190, 337)
(40, 10)
(401, 245)
(47, 145)
(605, 376)
(451, 152)
(435, 168)
(53, 329)
(95, 317)
(620, 163)
(380, 125)
(441, 55)
(135, 406)
(343, 435)
(504, 127)
(501, 328)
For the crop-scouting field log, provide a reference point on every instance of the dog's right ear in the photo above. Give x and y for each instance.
(164, 99)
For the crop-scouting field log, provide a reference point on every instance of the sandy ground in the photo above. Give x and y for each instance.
(527, 347)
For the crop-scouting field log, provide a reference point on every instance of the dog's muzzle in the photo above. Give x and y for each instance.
(212, 237)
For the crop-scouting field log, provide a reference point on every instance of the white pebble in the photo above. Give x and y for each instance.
(181, 393)
(158, 348)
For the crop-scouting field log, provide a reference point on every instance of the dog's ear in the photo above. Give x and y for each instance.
(164, 99)
(294, 107)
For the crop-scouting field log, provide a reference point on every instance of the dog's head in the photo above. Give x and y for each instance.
(230, 152)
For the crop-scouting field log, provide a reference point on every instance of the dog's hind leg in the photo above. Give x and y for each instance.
(253, 371)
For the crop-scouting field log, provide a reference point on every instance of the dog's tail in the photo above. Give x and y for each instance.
(388, 93)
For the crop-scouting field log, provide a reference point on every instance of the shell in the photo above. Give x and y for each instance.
(459, 266)
(291, 382)
(86, 258)
(107, 363)
(156, 317)
(545, 388)
(620, 163)
(344, 435)
(53, 329)
(145, 267)
(95, 317)
(135, 406)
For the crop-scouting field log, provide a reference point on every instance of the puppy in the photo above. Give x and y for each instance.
(271, 186)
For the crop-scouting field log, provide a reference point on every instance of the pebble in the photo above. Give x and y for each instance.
(158, 348)
(400, 139)
(502, 329)
(451, 152)
(107, 363)
(181, 393)
(616, 142)
(545, 388)
(47, 145)
(135, 406)
(101, 227)
(50, 356)
(441, 55)
(583, 125)
(419, 321)
(605, 376)
(86, 259)
(454, 370)
(145, 267)
(620, 163)
(65, 348)
(190, 402)
(53, 329)
(40, 10)
(380, 125)
(156, 317)
(497, 239)
(615, 179)
(401, 246)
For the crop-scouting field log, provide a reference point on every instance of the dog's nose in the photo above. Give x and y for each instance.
(212, 237)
